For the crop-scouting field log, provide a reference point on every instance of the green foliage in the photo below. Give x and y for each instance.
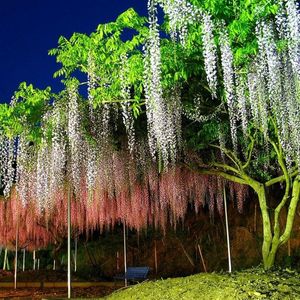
(25, 115)
(251, 284)
(240, 17)
(106, 46)
(207, 134)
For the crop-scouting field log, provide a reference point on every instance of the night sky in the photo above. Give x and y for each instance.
(28, 29)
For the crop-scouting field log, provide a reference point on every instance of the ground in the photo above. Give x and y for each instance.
(53, 293)
(57, 293)
(253, 283)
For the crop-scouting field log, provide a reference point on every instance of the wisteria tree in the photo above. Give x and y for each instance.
(262, 97)
(213, 78)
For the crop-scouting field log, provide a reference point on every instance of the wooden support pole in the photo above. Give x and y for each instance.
(24, 257)
(227, 231)
(5, 264)
(155, 256)
(186, 254)
(255, 209)
(125, 253)
(69, 242)
(16, 257)
(118, 261)
(202, 259)
(34, 260)
(75, 255)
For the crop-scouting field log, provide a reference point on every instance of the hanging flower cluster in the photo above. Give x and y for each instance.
(58, 150)
(91, 77)
(8, 153)
(91, 168)
(99, 117)
(181, 14)
(74, 135)
(292, 22)
(242, 102)
(274, 80)
(210, 54)
(161, 134)
(8, 159)
(33, 232)
(91, 84)
(43, 176)
(175, 110)
(229, 83)
(23, 174)
(123, 190)
(126, 109)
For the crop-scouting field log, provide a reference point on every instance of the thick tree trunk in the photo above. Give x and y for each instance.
(272, 241)
(267, 232)
(269, 258)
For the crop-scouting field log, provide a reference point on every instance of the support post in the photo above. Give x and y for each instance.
(75, 255)
(125, 253)
(16, 257)
(227, 231)
(34, 260)
(155, 256)
(24, 257)
(5, 265)
(69, 243)
(202, 259)
(118, 264)
(255, 209)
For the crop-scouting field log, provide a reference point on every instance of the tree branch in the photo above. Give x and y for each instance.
(285, 197)
(225, 167)
(291, 212)
(251, 147)
(230, 155)
(217, 173)
(286, 176)
(280, 178)
(276, 134)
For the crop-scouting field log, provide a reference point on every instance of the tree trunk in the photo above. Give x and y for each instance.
(269, 258)
(271, 241)
(267, 232)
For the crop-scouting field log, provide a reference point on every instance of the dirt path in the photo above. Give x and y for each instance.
(33, 293)
(48, 276)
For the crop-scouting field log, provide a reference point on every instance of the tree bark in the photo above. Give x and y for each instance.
(277, 240)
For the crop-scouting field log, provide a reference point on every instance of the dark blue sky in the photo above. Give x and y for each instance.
(28, 29)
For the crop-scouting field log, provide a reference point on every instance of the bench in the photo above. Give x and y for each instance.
(134, 274)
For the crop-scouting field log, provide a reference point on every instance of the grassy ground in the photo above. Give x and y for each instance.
(250, 284)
